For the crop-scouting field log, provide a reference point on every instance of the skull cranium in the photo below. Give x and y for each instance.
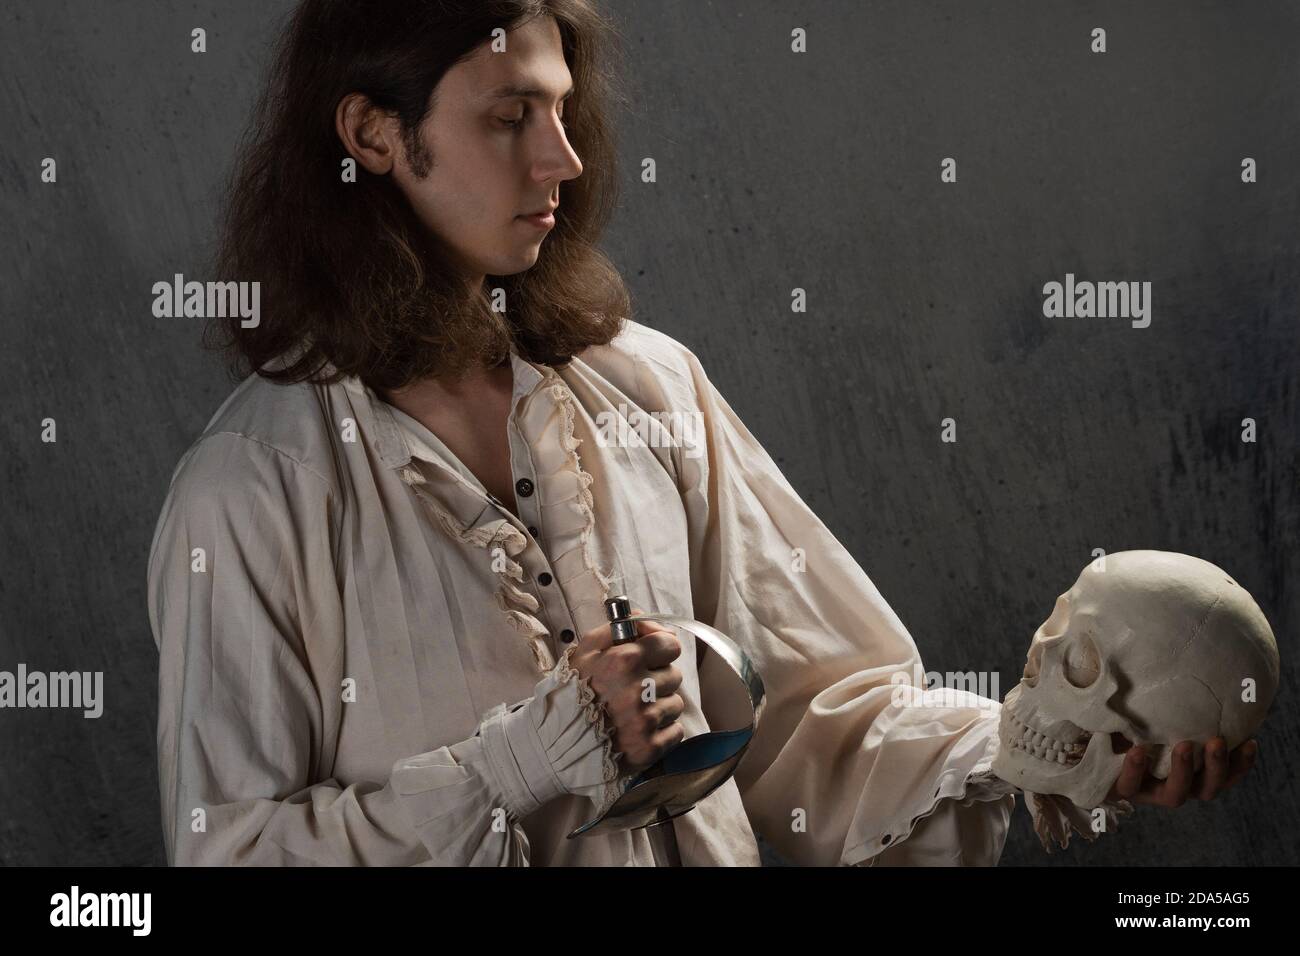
(1151, 647)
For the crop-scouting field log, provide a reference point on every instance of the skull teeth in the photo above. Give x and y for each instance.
(1038, 744)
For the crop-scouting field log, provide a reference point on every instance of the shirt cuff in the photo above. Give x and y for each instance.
(967, 778)
(556, 742)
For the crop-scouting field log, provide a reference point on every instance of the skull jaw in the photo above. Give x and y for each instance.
(1085, 784)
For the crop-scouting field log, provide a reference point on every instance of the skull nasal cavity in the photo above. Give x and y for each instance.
(1082, 662)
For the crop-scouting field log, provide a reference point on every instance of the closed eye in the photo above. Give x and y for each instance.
(517, 124)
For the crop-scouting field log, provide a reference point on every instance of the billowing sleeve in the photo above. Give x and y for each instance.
(245, 610)
(854, 761)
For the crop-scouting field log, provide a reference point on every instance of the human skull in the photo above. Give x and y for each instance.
(1155, 646)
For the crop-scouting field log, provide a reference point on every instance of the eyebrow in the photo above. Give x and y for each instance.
(511, 90)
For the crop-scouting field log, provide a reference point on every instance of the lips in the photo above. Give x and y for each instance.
(543, 212)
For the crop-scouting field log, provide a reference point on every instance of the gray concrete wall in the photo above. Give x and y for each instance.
(775, 171)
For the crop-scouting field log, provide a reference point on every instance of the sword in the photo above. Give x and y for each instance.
(697, 766)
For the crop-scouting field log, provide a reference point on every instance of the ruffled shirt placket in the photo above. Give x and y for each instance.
(554, 499)
(519, 607)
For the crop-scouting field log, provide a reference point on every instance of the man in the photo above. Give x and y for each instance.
(377, 581)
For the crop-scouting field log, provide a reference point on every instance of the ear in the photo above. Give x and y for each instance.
(369, 134)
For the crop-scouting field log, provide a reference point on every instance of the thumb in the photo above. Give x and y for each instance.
(644, 628)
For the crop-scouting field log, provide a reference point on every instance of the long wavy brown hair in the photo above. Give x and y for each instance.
(348, 274)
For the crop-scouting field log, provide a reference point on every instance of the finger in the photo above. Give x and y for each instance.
(667, 680)
(629, 702)
(654, 746)
(1243, 758)
(1131, 773)
(644, 628)
(666, 710)
(1210, 780)
(669, 737)
(1173, 792)
(659, 649)
(597, 639)
(600, 637)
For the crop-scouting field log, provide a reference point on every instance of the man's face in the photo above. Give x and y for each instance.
(494, 158)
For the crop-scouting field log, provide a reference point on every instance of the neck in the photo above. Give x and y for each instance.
(468, 385)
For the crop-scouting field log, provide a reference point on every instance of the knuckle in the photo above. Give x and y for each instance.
(666, 683)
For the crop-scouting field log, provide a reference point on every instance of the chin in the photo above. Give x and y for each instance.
(519, 264)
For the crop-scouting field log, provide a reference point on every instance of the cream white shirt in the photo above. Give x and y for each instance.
(360, 662)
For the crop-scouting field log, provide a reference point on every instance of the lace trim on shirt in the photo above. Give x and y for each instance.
(570, 443)
(594, 710)
(1056, 818)
(517, 604)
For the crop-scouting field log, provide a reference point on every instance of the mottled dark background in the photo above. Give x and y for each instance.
(775, 171)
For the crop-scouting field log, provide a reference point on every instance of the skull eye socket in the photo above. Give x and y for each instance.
(1082, 663)
(1054, 626)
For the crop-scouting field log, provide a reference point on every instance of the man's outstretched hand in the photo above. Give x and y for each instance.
(1218, 774)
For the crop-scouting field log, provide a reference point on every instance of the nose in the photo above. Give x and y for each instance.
(555, 159)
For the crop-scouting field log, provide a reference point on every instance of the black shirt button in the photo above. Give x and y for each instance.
(543, 579)
(566, 635)
(524, 487)
(532, 531)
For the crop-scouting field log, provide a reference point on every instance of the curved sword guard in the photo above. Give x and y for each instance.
(697, 766)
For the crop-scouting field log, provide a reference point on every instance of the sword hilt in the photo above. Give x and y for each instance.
(618, 609)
